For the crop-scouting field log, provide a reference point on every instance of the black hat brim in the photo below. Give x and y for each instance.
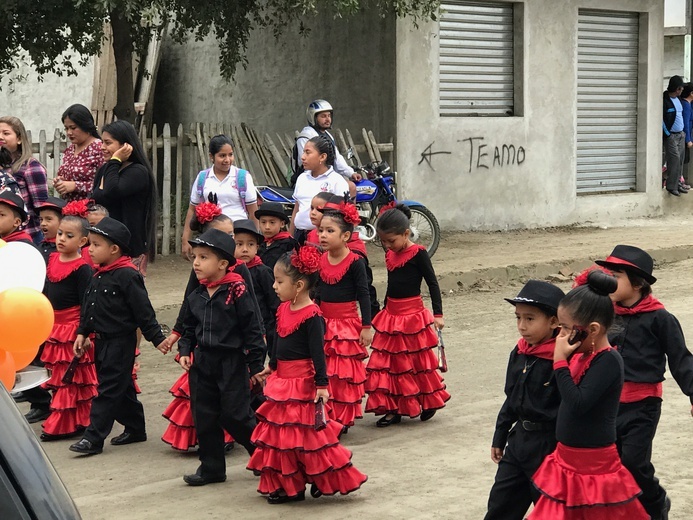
(22, 214)
(627, 267)
(270, 213)
(125, 248)
(544, 307)
(224, 254)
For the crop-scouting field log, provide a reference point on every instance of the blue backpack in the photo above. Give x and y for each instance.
(241, 185)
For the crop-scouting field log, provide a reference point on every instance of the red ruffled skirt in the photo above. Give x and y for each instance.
(180, 432)
(344, 356)
(402, 372)
(71, 403)
(586, 484)
(290, 452)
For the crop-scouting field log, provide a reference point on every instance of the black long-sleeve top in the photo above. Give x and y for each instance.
(194, 283)
(646, 341)
(306, 342)
(47, 248)
(269, 254)
(126, 194)
(117, 303)
(353, 286)
(225, 320)
(71, 290)
(405, 281)
(267, 299)
(587, 413)
(532, 394)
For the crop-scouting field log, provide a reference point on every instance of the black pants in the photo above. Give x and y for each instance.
(512, 491)
(38, 397)
(220, 399)
(636, 425)
(117, 398)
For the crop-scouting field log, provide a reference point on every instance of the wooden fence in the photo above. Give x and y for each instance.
(177, 155)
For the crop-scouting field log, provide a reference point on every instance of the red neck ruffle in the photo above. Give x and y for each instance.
(356, 244)
(541, 350)
(279, 236)
(332, 274)
(227, 278)
(254, 262)
(18, 236)
(289, 321)
(580, 363)
(57, 271)
(122, 262)
(395, 260)
(648, 304)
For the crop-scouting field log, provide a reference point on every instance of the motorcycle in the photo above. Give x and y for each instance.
(375, 190)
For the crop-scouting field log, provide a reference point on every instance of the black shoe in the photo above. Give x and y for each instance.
(37, 415)
(675, 193)
(19, 397)
(128, 438)
(229, 446)
(666, 508)
(427, 414)
(314, 491)
(276, 498)
(47, 437)
(384, 422)
(198, 480)
(343, 431)
(86, 447)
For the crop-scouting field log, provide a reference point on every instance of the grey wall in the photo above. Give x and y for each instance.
(674, 58)
(542, 190)
(349, 62)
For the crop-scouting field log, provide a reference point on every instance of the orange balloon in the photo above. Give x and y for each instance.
(26, 321)
(7, 369)
(2, 243)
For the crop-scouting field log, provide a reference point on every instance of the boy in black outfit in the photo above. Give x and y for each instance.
(223, 327)
(526, 426)
(115, 305)
(272, 222)
(50, 215)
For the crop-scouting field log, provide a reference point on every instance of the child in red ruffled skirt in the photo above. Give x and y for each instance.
(297, 444)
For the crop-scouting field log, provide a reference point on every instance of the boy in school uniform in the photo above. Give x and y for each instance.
(277, 240)
(115, 305)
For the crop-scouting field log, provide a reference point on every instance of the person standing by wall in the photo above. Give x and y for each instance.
(674, 138)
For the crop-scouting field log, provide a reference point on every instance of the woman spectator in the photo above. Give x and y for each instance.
(82, 157)
(125, 187)
(233, 187)
(28, 173)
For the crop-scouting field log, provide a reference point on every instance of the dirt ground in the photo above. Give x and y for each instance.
(439, 469)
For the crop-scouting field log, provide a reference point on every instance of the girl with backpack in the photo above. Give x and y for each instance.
(233, 187)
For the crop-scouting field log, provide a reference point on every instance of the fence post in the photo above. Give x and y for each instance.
(56, 153)
(43, 151)
(179, 187)
(166, 192)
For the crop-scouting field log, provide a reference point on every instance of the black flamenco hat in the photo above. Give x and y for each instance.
(14, 201)
(219, 241)
(630, 258)
(54, 203)
(540, 294)
(246, 225)
(114, 231)
(271, 209)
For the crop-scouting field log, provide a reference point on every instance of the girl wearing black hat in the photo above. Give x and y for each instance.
(584, 477)
(649, 336)
(526, 426)
(277, 240)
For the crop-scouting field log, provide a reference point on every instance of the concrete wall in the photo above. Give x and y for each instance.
(542, 190)
(350, 62)
(674, 58)
(41, 104)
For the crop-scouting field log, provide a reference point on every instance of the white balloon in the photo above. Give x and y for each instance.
(21, 265)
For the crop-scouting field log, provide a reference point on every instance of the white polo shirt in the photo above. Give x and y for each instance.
(308, 187)
(227, 192)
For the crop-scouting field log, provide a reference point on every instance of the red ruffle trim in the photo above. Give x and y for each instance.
(68, 421)
(57, 357)
(333, 273)
(181, 388)
(578, 478)
(547, 509)
(395, 260)
(57, 271)
(403, 317)
(347, 375)
(289, 321)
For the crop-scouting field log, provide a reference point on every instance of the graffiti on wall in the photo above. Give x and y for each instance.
(483, 156)
(428, 153)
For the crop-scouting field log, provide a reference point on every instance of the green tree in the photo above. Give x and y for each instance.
(56, 34)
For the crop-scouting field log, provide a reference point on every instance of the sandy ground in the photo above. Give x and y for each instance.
(440, 469)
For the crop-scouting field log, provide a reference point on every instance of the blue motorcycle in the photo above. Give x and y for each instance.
(375, 190)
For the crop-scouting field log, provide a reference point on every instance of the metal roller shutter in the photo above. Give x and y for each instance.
(607, 101)
(476, 59)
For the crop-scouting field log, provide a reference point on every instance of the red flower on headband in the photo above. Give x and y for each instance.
(388, 206)
(306, 259)
(206, 212)
(581, 279)
(77, 208)
(351, 214)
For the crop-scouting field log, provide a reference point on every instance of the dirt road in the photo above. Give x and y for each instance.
(440, 469)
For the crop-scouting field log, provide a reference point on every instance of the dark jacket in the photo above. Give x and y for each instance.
(669, 114)
(270, 254)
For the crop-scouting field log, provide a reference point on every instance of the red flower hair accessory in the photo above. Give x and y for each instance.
(206, 212)
(390, 205)
(351, 214)
(306, 260)
(77, 208)
(581, 279)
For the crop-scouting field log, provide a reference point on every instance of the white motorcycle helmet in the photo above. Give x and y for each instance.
(315, 107)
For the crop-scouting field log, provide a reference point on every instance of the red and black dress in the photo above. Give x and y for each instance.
(290, 453)
(584, 478)
(402, 376)
(341, 288)
(66, 284)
